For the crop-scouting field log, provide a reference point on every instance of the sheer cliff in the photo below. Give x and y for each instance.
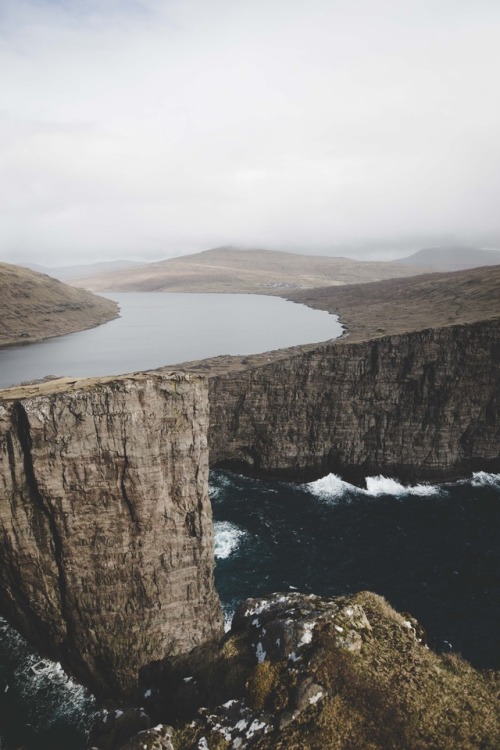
(422, 405)
(107, 557)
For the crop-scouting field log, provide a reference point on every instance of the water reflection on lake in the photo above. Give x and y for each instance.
(165, 329)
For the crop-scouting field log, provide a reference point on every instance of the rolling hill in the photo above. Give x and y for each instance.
(396, 306)
(34, 306)
(452, 258)
(227, 269)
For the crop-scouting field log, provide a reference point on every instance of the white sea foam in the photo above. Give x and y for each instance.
(48, 694)
(228, 610)
(214, 491)
(329, 487)
(483, 479)
(332, 487)
(218, 483)
(227, 538)
(381, 485)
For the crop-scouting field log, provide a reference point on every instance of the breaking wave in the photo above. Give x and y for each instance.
(227, 538)
(381, 485)
(333, 487)
(483, 479)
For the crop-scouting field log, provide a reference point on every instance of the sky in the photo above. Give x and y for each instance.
(143, 129)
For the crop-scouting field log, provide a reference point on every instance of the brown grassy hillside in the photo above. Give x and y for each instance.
(34, 306)
(251, 271)
(402, 305)
(386, 307)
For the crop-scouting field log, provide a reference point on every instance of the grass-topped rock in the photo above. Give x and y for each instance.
(300, 671)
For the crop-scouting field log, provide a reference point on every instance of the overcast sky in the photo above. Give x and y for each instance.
(145, 129)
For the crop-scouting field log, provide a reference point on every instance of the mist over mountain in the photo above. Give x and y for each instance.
(228, 269)
(452, 258)
(85, 269)
(145, 129)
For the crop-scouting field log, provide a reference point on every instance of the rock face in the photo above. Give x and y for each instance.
(300, 671)
(423, 405)
(106, 555)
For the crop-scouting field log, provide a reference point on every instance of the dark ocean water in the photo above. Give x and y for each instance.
(433, 551)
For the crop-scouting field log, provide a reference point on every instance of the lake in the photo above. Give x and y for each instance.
(155, 330)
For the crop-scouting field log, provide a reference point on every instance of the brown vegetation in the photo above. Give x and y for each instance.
(34, 306)
(362, 680)
(382, 308)
(250, 271)
(397, 306)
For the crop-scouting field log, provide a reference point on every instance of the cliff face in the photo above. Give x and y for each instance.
(106, 554)
(106, 558)
(423, 405)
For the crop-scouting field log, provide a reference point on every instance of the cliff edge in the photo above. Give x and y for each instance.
(416, 406)
(107, 539)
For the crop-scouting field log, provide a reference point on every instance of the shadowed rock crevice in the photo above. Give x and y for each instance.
(21, 422)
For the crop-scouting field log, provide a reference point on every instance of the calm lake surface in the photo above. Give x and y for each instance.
(165, 329)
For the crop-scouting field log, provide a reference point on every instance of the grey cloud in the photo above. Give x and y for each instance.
(144, 129)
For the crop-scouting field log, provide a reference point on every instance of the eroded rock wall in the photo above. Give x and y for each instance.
(423, 405)
(106, 554)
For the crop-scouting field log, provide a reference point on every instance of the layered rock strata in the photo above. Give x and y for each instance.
(422, 405)
(106, 554)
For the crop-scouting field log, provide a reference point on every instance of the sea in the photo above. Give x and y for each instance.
(430, 550)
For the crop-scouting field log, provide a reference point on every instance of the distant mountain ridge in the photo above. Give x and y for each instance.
(258, 271)
(457, 258)
(85, 269)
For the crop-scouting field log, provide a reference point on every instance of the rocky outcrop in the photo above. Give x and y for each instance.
(300, 671)
(422, 405)
(106, 554)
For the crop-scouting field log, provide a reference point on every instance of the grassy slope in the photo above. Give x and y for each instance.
(402, 305)
(254, 271)
(392, 694)
(386, 307)
(34, 306)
